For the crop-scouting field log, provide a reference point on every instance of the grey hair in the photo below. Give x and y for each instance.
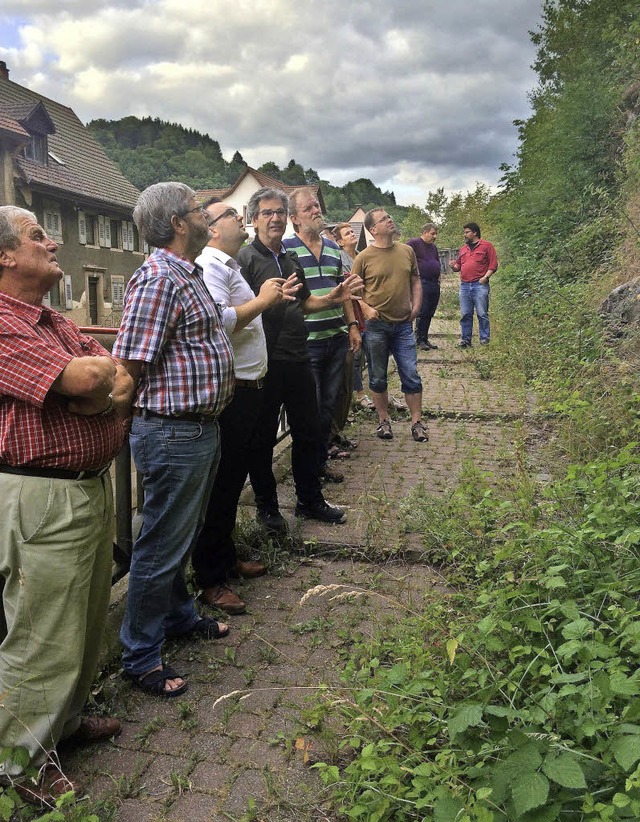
(155, 208)
(266, 193)
(9, 232)
(428, 227)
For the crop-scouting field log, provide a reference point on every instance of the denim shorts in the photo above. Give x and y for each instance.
(397, 339)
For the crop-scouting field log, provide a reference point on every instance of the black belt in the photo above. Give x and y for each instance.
(249, 383)
(144, 412)
(53, 473)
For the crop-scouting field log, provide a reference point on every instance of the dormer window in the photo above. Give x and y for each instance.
(37, 149)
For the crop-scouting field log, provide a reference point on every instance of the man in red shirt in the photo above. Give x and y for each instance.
(477, 261)
(62, 404)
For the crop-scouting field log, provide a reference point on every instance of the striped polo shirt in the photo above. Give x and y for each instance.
(322, 276)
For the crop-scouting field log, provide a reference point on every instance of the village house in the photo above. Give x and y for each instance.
(51, 165)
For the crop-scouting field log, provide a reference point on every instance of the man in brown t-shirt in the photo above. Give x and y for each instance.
(390, 302)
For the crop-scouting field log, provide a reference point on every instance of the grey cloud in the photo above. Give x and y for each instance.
(441, 91)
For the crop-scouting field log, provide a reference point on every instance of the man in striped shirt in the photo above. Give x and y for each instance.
(173, 343)
(332, 331)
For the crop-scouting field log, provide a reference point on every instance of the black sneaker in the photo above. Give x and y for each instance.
(423, 345)
(432, 345)
(271, 520)
(464, 344)
(321, 511)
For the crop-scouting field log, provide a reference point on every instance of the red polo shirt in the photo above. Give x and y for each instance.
(474, 264)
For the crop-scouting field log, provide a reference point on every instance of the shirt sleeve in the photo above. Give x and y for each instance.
(150, 316)
(29, 365)
(217, 282)
(492, 257)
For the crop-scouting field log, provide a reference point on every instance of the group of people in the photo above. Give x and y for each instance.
(216, 338)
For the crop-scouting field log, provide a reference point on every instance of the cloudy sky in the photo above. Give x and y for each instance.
(414, 94)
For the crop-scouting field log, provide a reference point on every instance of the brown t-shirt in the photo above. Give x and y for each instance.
(387, 274)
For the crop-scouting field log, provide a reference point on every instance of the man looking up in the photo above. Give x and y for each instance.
(214, 557)
(289, 379)
(477, 261)
(332, 331)
(173, 344)
(62, 397)
(429, 267)
(390, 302)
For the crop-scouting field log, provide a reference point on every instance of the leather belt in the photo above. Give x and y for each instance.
(53, 473)
(144, 412)
(249, 383)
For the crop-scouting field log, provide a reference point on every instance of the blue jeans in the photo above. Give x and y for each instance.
(178, 461)
(474, 295)
(384, 338)
(328, 363)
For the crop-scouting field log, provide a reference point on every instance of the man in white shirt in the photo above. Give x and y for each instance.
(214, 557)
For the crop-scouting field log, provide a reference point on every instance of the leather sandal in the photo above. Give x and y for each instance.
(153, 682)
(419, 432)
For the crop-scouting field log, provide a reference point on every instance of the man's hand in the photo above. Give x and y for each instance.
(355, 340)
(348, 288)
(452, 265)
(274, 290)
(369, 313)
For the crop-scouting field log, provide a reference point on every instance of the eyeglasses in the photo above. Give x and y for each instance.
(230, 212)
(382, 219)
(267, 213)
(199, 208)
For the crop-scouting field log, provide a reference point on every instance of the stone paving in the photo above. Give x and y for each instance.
(208, 756)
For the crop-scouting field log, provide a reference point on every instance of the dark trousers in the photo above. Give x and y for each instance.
(214, 554)
(430, 300)
(290, 384)
(328, 361)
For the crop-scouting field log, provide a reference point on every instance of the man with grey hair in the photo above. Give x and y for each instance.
(173, 343)
(429, 268)
(63, 400)
(289, 379)
(332, 331)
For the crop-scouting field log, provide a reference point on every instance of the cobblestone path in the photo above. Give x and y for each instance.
(199, 757)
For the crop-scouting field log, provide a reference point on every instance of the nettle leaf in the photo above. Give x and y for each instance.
(526, 758)
(570, 648)
(452, 647)
(466, 716)
(578, 629)
(397, 674)
(565, 770)
(626, 750)
(447, 809)
(554, 582)
(529, 791)
(623, 685)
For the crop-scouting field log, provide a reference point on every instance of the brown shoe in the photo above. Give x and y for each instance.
(96, 729)
(47, 789)
(248, 569)
(224, 598)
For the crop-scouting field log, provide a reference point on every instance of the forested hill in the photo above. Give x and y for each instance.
(149, 150)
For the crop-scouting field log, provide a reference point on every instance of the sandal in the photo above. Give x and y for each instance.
(337, 453)
(384, 430)
(346, 443)
(205, 628)
(153, 682)
(419, 432)
(365, 402)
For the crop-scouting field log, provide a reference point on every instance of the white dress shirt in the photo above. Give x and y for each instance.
(229, 288)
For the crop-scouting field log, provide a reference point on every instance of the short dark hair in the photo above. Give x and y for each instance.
(337, 230)
(211, 201)
(369, 219)
(473, 227)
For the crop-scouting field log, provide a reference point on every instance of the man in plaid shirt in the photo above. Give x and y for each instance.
(173, 343)
(63, 400)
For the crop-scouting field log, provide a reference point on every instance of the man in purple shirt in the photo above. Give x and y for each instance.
(429, 267)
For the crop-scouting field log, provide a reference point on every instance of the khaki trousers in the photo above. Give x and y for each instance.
(55, 577)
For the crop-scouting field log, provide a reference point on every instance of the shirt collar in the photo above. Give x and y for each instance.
(264, 249)
(220, 256)
(34, 313)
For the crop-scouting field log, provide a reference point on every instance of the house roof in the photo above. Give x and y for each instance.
(80, 170)
(264, 180)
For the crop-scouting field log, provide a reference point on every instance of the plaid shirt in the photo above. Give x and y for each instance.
(172, 325)
(36, 430)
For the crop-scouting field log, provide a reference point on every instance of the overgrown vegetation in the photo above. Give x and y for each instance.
(517, 696)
